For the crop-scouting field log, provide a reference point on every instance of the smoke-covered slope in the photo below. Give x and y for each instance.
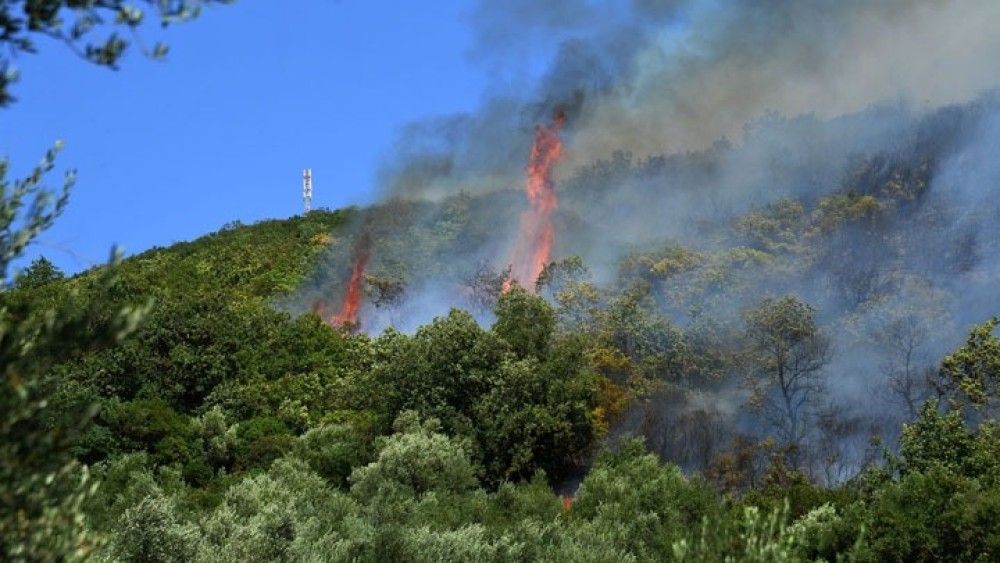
(882, 222)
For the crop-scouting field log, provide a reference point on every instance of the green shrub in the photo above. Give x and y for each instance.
(259, 441)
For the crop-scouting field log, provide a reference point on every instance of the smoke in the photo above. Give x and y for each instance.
(692, 124)
(732, 61)
(657, 77)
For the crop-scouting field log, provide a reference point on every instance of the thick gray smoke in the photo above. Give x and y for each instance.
(651, 77)
(684, 116)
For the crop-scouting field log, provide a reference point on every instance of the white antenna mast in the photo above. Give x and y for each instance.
(307, 189)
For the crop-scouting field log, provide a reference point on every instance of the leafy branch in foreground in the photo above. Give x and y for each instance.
(73, 21)
(41, 486)
(17, 230)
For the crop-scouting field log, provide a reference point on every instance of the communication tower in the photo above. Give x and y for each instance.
(307, 189)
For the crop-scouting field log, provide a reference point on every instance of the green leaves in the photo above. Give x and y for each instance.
(71, 21)
(41, 484)
(941, 440)
(525, 322)
(416, 460)
(27, 207)
(974, 369)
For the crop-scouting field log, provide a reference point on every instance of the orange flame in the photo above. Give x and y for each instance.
(351, 305)
(534, 245)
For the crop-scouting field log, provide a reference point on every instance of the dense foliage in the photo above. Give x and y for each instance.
(225, 429)
(772, 382)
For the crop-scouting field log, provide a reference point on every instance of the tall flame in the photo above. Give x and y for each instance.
(351, 305)
(534, 245)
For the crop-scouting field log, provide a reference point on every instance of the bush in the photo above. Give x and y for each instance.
(645, 506)
(260, 441)
(151, 531)
(334, 450)
(932, 516)
(145, 422)
(417, 459)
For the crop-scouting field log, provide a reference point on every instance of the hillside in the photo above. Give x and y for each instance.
(786, 361)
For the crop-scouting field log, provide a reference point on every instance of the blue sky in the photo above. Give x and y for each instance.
(250, 95)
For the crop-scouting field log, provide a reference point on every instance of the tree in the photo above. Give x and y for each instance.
(567, 283)
(931, 516)
(333, 450)
(839, 451)
(17, 227)
(23, 20)
(384, 293)
(973, 371)
(537, 415)
(636, 346)
(524, 321)
(39, 273)
(151, 531)
(486, 285)
(439, 371)
(937, 439)
(905, 366)
(642, 506)
(904, 328)
(41, 486)
(417, 459)
(555, 275)
(787, 353)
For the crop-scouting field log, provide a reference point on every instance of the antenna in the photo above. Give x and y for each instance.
(307, 189)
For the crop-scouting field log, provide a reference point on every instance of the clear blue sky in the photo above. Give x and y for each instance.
(250, 95)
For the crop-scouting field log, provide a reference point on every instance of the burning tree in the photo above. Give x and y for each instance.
(347, 315)
(536, 234)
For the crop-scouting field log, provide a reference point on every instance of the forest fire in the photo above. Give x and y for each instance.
(351, 304)
(536, 234)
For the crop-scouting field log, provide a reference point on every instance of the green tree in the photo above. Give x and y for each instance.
(643, 505)
(524, 321)
(537, 415)
(439, 371)
(334, 450)
(973, 371)
(152, 531)
(935, 515)
(41, 485)
(18, 227)
(286, 514)
(943, 440)
(417, 459)
(39, 273)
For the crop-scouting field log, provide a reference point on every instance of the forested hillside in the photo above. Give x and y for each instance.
(684, 284)
(767, 385)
